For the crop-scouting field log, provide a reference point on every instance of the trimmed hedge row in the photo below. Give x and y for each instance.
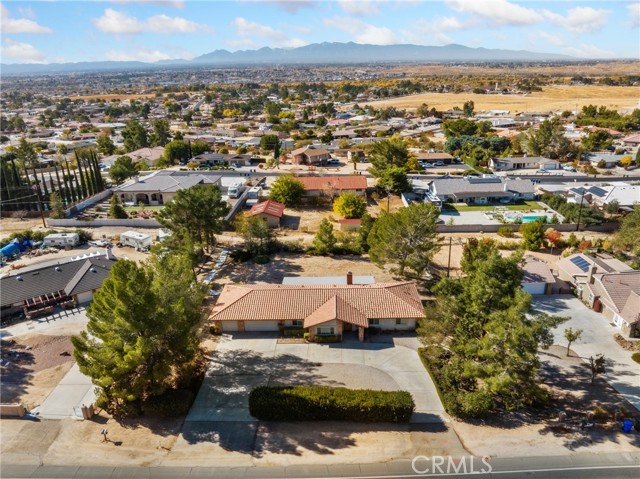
(323, 403)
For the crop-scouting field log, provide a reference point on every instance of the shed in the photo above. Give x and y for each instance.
(270, 211)
(137, 240)
(62, 239)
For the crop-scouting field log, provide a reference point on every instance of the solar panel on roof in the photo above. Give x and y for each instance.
(598, 191)
(581, 263)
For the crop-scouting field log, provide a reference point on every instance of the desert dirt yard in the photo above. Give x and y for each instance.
(551, 98)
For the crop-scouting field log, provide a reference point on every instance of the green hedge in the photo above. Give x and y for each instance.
(324, 339)
(172, 403)
(293, 332)
(323, 403)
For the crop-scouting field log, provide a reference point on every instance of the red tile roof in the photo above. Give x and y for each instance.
(320, 183)
(314, 302)
(268, 207)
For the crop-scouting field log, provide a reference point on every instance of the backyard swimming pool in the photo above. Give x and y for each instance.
(530, 218)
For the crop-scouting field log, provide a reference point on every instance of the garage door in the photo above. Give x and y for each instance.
(229, 326)
(261, 325)
(534, 288)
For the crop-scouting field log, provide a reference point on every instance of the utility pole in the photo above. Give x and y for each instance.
(449, 262)
(580, 211)
(40, 205)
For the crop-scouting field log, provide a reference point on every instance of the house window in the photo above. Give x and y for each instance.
(326, 331)
(297, 322)
(398, 321)
(374, 322)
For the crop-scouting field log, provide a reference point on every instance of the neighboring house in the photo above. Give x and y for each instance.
(526, 162)
(633, 140)
(349, 224)
(607, 285)
(269, 211)
(446, 158)
(349, 278)
(36, 290)
(333, 185)
(148, 155)
(161, 186)
(310, 155)
(537, 278)
(212, 159)
(320, 309)
(610, 160)
(474, 190)
(627, 196)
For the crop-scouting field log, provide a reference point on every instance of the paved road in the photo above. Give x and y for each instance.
(583, 466)
(622, 373)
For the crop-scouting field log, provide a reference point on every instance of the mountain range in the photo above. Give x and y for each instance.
(315, 53)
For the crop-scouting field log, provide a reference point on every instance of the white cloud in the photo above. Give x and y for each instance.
(21, 52)
(580, 19)
(362, 32)
(497, 12)
(19, 25)
(291, 6)
(117, 22)
(360, 7)
(26, 12)
(589, 51)
(634, 12)
(163, 3)
(136, 54)
(427, 31)
(551, 38)
(247, 29)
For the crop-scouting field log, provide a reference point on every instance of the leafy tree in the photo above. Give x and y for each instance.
(637, 160)
(140, 339)
(57, 206)
(350, 205)
(123, 167)
(257, 235)
(269, 142)
(366, 224)
(628, 236)
(135, 136)
(461, 127)
(554, 237)
(199, 147)
(406, 239)
(570, 335)
(387, 154)
(25, 153)
(468, 108)
(287, 190)
(394, 180)
(597, 140)
(484, 342)
(116, 211)
(196, 212)
(105, 144)
(327, 137)
(324, 241)
(548, 140)
(176, 151)
(533, 234)
(423, 111)
(161, 133)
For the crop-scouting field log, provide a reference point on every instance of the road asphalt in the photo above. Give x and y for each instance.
(580, 466)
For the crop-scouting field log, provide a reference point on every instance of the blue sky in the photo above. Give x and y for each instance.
(151, 30)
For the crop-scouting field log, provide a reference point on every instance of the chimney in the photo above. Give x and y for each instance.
(592, 271)
(349, 277)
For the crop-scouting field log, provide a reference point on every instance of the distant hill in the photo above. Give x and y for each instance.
(316, 53)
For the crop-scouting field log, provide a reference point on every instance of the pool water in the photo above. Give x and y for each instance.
(531, 218)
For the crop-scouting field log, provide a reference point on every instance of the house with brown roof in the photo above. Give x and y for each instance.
(321, 309)
(537, 278)
(333, 185)
(269, 211)
(310, 155)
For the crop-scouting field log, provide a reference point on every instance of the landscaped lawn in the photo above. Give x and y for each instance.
(143, 208)
(522, 205)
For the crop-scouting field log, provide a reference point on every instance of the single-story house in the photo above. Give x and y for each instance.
(161, 186)
(212, 159)
(487, 189)
(319, 309)
(148, 155)
(632, 140)
(269, 211)
(446, 158)
(609, 160)
(575, 268)
(616, 296)
(36, 290)
(333, 185)
(525, 162)
(349, 278)
(310, 155)
(537, 278)
(625, 195)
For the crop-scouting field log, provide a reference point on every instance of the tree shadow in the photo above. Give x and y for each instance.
(290, 222)
(15, 370)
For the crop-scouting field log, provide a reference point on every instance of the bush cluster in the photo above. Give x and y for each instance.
(293, 332)
(39, 235)
(323, 403)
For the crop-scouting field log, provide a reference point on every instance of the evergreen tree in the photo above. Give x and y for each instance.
(325, 241)
(116, 211)
(56, 206)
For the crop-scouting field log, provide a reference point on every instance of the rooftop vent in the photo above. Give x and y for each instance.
(58, 268)
(18, 278)
(93, 270)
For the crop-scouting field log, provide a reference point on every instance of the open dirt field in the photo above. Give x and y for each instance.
(552, 98)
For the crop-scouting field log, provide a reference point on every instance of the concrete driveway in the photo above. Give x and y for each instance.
(622, 373)
(248, 360)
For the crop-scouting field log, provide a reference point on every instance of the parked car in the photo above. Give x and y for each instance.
(568, 168)
(439, 163)
(333, 161)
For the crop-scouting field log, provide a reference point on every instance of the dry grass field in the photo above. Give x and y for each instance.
(111, 97)
(552, 98)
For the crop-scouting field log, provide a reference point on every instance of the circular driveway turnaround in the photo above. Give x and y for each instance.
(247, 360)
